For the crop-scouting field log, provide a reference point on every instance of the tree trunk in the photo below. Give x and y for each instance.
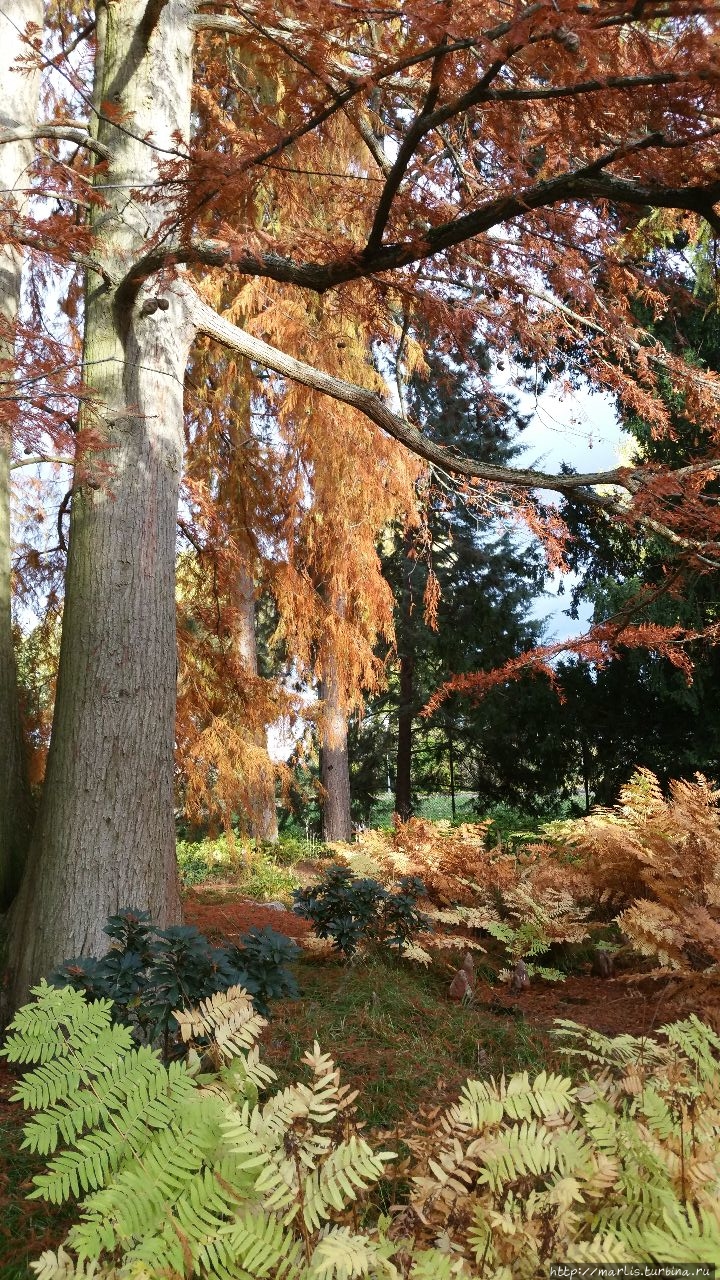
(403, 783)
(586, 773)
(104, 838)
(19, 95)
(334, 762)
(451, 761)
(262, 812)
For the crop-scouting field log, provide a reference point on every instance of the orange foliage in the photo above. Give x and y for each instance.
(354, 180)
(659, 859)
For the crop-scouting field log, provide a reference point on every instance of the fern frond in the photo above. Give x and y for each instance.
(227, 1018)
(138, 1096)
(516, 1153)
(547, 1095)
(341, 1255)
(59, 1023)
(254, 1244)
(347, 1171)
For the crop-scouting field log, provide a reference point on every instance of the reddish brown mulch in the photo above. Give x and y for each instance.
(232, 918)
(613, 1006)
(637, 1004)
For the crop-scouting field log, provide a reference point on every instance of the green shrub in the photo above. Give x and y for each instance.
(262, 873)
(351, 910)
(149, 972)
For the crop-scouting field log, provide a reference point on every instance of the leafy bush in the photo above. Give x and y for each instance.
(182, 1171)
(149, 972)
(529, 901)
(351, 910)
(261, 872)
(203, 860)
(290, 849)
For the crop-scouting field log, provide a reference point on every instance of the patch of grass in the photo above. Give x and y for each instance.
(434, 808)
(395, 1036)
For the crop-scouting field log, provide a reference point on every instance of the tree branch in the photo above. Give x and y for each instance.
(65, 133)
(585, 184)
(373, 407)
(31, 462)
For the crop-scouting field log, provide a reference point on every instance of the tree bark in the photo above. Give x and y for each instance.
(19, 94)
(403, 771)
(262, 812)
(334, 762)
(104, 838)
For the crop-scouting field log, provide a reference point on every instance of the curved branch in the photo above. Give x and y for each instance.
(590, 182)
(625, 482)
(373, 407)
(65, 133)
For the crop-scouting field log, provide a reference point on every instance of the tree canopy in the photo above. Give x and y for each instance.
(312, 189)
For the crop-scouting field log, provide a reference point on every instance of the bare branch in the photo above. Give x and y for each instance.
(65, 133)
(373, 407)
(41, 458)
(587, 183)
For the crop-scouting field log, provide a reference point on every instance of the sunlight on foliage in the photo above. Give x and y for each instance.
(181, 1169)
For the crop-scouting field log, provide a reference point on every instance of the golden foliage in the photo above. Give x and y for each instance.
(659, 859)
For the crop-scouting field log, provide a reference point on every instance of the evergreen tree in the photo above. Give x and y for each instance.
(464, 587)
(641, 710)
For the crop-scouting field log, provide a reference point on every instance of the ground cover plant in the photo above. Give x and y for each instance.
(523, 898)
(256, 869)
(183, 1168)
(405, 1047)
(148, 972)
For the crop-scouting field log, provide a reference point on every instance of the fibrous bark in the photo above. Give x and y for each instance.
(262, 812)
(18, 106)
(104, 838)
(334, 764)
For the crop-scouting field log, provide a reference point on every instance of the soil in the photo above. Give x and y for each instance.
(633, 1003)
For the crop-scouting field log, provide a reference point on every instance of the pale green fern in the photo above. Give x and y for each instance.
(184, 1171)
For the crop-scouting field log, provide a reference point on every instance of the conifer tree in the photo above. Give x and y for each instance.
(505, 175)
(463, 589)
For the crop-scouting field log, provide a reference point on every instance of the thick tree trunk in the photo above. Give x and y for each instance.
(262, 812)
(403, 771)
(19, 92)
(105, 837)
(334, 762)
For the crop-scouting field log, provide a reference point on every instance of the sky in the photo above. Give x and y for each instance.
(579, 427)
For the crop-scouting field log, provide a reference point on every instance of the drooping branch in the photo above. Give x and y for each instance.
(614, 493)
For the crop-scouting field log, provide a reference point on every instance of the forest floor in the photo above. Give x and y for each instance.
(631, 1002)
(390, 1026)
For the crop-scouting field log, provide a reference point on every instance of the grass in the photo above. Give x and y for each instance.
(395, 1036)
(263, 873)
(434, 808)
